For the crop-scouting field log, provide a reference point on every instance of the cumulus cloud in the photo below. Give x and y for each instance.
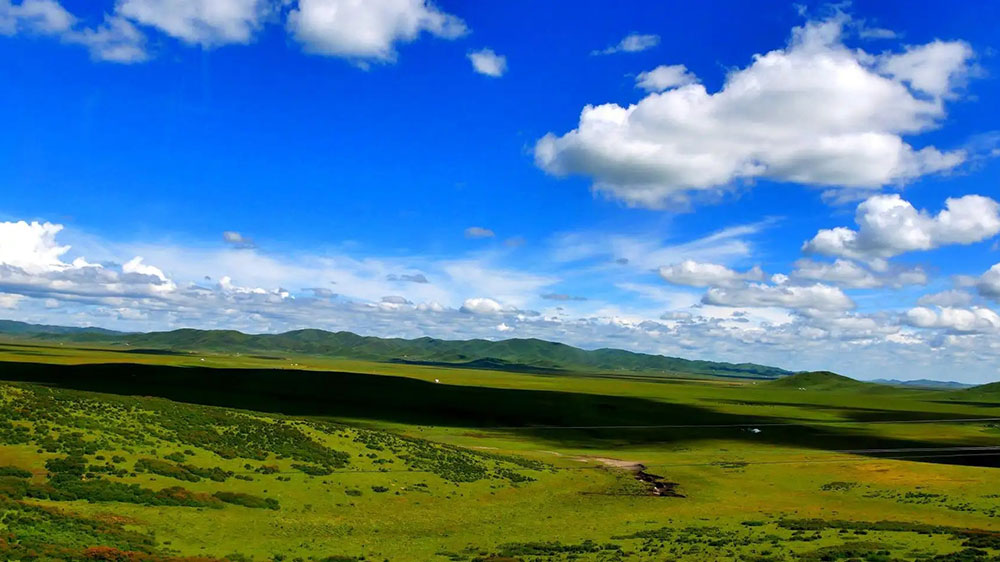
(359, 31)
(481, 306)
(665, 77)
(395, 299)
(696, 274)
(31, 246)
(367, 31)
(31, 264)
(478, 232)
(817, 297)
(963, 320)
(631, 43)
(852, 275)
(988, 283)
(815, 113)
(889, 226)
(485, 61)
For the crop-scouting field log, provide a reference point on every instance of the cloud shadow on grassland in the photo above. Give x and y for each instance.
(519, 412)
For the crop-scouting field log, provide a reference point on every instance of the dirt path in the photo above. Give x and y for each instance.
(658, 485)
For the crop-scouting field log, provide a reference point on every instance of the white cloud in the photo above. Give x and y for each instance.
(965, 320)
(482, 305)
(852, 275)
(237, 240)
(631, 43)
(115, 40)
(889, 226)
(485, 61)
(697, 274)
(806, 297)
(203, 22)
(934, 68)
(876, 33)
(792, 325)
(988, 283)
(367, 30)
(31, 264)
(815, 113)
(31, 246)
(478, 232)
(950, 298)
(46, 17)
(135, 266)
(665, 77)
(9, 301)
(651, 252)
(362, 31)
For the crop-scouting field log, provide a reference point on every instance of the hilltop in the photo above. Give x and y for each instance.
(818, 380)
(522, 355)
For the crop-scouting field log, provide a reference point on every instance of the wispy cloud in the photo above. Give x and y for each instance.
(631, 43)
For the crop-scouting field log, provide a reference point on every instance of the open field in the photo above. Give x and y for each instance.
(232, 457)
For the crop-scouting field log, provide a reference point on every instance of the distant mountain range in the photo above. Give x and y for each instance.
(516, 355)
(925, 383)
(524, 355)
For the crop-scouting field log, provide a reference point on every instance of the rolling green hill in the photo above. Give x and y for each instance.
(819, 380)
(991, 390)
(523, 355)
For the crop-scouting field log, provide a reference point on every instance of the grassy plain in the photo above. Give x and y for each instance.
(228, 456)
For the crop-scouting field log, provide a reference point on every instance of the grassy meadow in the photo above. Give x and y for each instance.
(111, 454)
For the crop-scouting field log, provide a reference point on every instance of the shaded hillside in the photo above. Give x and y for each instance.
(514, 354)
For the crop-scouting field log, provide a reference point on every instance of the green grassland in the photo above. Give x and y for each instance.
(153, 455)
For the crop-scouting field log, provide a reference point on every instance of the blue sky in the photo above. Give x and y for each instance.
(729, 181)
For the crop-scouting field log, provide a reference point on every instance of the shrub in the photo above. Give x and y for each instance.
(312, 470)
(247, 500)
(74, 465)
(14, 471)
